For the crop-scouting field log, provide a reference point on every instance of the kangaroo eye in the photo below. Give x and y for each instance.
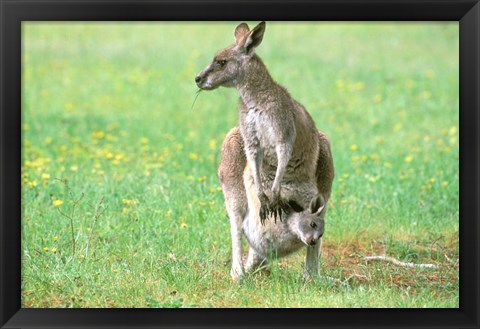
(313, 225)
(222, 62)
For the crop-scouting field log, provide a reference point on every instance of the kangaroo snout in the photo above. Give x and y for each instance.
(202, 81)
(313, 240)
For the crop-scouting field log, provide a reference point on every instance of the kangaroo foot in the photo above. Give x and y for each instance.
(274, 206)
(277, 206)
(278, 209)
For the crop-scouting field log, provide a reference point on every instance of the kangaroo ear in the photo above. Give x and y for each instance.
(317, 204)
(252, 39)
(240, 32)
(295, 206)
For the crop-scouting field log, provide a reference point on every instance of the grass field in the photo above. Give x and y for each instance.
(121, 203)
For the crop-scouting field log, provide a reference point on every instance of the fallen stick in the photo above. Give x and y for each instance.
(400, 263)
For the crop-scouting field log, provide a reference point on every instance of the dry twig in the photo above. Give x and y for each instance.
(400, 263)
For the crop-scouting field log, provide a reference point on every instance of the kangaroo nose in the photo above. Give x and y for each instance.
(198, 79)
(312, 242)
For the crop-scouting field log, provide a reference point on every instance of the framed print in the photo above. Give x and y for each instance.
(239, 164)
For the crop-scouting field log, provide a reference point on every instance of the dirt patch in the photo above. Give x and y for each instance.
(348, 257)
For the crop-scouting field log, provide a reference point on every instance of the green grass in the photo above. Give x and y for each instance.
(121, 203)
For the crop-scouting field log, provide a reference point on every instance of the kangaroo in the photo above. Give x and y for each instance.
(303, 223)
(280, 138)
(289, 160)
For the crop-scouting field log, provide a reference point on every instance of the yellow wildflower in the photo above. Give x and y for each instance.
(375, 157)
(193, 156)
(57, 203)
(372, 179)
(183, 225)
(359, 85)
(427, 187)
(428, 74)
(212, 145)
(453, 131)
(408, 159)
(130, 203)
(32, 184)
(379, 140)
(98, 135)
(354, 147)
(409, 83)
(377, 99)
(69, 107)
(178, 146)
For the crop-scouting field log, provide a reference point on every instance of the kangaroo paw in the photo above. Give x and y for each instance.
(264, 207)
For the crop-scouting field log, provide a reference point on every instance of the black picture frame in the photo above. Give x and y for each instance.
(13, 12)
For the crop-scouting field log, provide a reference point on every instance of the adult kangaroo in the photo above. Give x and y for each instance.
(288, 158)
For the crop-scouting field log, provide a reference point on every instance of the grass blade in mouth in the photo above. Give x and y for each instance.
(196, 96)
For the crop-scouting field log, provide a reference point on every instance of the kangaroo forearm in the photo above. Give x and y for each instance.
(255, 159)
(284, 153)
